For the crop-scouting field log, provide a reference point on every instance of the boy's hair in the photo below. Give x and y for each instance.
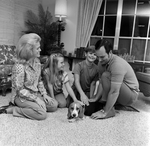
(104, 42)
(97, 45)
(90, 49)
(25, 46)
(51, 64)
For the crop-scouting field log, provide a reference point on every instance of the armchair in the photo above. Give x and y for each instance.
(6, 61)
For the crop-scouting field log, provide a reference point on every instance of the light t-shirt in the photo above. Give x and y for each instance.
(87, 74)
(121, 71)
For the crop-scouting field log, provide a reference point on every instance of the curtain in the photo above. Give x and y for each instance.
(87, 16)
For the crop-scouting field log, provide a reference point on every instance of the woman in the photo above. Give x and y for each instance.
(55, 77)
(28, 93)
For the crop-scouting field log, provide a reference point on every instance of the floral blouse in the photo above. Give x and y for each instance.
(26, 80)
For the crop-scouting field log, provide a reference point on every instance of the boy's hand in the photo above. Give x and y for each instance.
(85, 99)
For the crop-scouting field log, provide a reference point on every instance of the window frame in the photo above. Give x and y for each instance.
(117, 36)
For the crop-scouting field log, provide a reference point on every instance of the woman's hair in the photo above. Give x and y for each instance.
(51, 65)
(107, 45)
(25, 46)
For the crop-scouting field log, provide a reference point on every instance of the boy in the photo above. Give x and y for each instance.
(85, 77)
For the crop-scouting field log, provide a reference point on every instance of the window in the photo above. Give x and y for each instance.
(126, 23)
(106, 22)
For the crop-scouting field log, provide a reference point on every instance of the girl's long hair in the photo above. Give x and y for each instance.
(51, 64)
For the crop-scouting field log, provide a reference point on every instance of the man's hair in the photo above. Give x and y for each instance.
(107, 45)
(25, 46)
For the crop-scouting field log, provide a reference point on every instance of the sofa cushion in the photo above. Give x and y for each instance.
(5, 70)
(147, 70)
(144, 77)
(7, 54)
(144, 82)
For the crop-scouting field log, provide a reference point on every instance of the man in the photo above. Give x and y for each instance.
(119, 82)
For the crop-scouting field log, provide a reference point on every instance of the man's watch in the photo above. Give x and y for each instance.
(102, 110)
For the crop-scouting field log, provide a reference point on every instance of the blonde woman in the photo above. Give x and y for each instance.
(55, 77)
(28, 92)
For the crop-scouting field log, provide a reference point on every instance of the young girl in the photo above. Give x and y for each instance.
(54, 78)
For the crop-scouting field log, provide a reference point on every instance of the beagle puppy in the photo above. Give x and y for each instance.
(75, 111)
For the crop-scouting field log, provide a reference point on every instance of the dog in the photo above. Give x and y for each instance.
(75, 111)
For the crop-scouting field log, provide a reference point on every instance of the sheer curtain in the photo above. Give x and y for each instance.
(87, 15)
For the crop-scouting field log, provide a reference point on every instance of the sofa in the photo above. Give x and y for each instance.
(7, 55)
(144, 81)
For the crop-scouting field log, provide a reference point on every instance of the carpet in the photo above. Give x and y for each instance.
(125, 129)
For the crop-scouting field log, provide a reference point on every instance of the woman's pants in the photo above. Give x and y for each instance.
(31, 110)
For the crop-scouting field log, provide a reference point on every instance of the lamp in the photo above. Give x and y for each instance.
(60, 12)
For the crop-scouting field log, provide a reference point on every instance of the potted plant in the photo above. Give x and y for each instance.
(44, 26)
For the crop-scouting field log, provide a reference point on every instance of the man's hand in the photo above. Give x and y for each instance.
(99, 115)
(41, 103)
(85, 99)
(93, 99)
(103, 115)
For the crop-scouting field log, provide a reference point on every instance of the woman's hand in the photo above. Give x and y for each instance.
(41, 103)
(47, 98)
(98, 115)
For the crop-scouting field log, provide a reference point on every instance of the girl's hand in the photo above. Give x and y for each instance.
(80, 102)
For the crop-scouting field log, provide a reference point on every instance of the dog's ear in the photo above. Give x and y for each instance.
(69, 113)
(83, 106)
(81, 111)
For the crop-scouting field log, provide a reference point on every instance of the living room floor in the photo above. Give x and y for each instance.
(125, 129)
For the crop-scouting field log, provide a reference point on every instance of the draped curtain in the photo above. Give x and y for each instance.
(87, 16)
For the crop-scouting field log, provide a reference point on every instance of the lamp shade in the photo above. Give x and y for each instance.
(61, 8)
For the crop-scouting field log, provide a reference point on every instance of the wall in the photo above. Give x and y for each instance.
(68, 37)
(6, 21)
(12, 14)
(50, 4)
